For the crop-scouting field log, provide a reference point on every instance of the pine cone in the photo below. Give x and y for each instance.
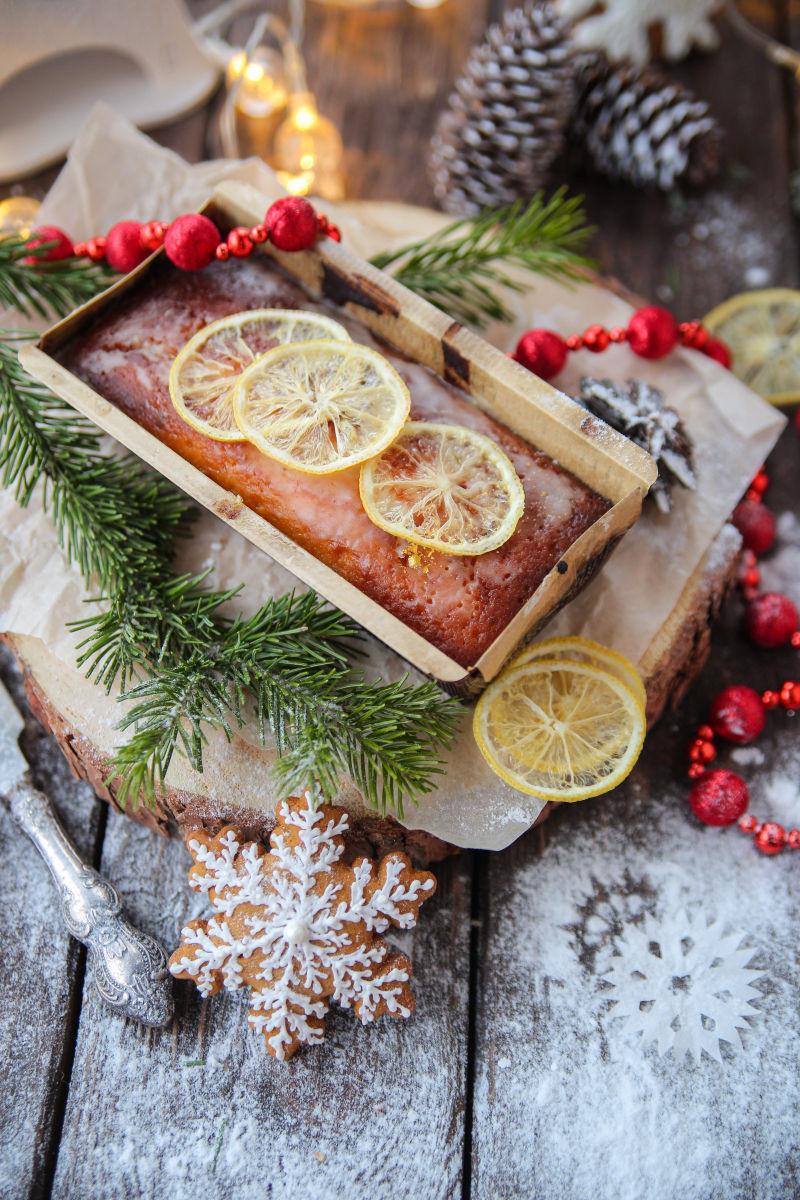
(506, 121)
(642, 127)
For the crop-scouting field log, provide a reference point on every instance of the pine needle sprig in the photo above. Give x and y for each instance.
(31, 285)
(115, 520)
(184, 666)
(463, 268)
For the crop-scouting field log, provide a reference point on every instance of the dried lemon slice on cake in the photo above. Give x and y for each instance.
(445, 487)
(321, 406)
(763, 331)
(560, 730)
(206, 370)
(578, 649)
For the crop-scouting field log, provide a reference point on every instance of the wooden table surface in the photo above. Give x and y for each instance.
(442, 1105)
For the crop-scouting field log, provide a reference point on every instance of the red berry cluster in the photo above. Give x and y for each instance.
(192, 241)
(651, 332)
(719, 796)
(771, 619)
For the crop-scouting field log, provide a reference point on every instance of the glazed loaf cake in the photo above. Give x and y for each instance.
(460, 605)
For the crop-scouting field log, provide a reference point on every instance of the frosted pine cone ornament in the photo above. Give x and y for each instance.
(298, 926)
(641, 127)
(504, 125)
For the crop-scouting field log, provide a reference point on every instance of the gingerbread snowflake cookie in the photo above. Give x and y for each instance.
(298, 926)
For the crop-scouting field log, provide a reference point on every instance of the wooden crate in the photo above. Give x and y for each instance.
(602, 459)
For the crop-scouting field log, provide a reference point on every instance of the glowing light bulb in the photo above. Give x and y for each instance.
(259, 81)
(18, 216)
(308, 151)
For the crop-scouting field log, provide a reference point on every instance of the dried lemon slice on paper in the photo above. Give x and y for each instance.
(205, 372)
(762, 330)
(560, 730)
(321, 406)
(444, 487)
(578, 649)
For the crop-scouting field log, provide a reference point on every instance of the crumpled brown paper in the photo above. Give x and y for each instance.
(112, 172)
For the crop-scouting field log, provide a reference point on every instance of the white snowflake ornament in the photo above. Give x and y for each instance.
(622, 27)
(298, 926)
(683, 984)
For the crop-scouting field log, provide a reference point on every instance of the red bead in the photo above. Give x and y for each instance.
(790, 696)
(705, 733)
(770, 838)
(222, 252)
(595, 338)
(541, 351)
(719, 798)
(793, 839)
(652, 332)
(748, 823)
(760, 482)
(240, 243)
(329, 229)
(770, 699)
(795, 638)
(63, 247)
(191, 241)
(152, 235)
(756, 524)
(771, 620)
(751, 579)
(708, 752)
(292, 223)
(695, 752)
(618, 334)
(574, 342)
(737, 714)
(96, 248)
(124, 249)
(259, 234)
(693, 335)
(717, 349)
(79, 249)
(696, 771)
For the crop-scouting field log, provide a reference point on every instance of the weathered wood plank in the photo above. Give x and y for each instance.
(568, 1101)
(42, 968)
(382, 76)
(375, 1111)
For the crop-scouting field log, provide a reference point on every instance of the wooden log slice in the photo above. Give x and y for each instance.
(673, 662)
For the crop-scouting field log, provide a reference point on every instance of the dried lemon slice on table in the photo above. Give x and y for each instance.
(321, 406)
(762, 330)
(445, 487)
(560, 730)
(206, 371)
(578, 649)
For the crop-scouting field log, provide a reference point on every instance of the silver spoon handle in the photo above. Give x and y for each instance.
(129, 967)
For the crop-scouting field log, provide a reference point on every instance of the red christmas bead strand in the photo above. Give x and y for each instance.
(721, 797)
(192, 241)
(652, 332)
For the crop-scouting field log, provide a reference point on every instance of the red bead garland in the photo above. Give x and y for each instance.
(652, 332)
(192, 241)
(720, 796)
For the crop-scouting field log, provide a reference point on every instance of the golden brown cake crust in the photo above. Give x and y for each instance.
(460, 605)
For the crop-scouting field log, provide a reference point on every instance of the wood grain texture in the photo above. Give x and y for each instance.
(41, 967)
(377, 1111)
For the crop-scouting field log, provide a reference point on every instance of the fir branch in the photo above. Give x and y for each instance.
(182, 663)
(462, 269)
(32, 285)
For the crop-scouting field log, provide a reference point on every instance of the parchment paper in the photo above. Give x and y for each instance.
(114, 171)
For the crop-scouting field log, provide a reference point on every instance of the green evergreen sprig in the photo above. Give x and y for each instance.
(462, 269)
(31, 285)
(183, 664)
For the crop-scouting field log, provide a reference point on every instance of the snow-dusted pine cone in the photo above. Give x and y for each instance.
(506, 121)
(642, 127)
